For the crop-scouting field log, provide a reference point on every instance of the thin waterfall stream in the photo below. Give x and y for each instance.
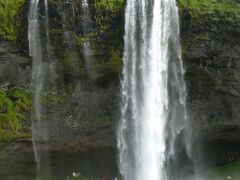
(39, 69)
(35, 51)
(153, 109)
(69, 17)
(47, 29)
(48, 41)
(87, 52)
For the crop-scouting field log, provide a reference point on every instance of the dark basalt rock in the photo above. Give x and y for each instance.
(85, 108)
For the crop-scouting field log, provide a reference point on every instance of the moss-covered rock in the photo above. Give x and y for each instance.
(8, 12)
(209, 20)
(209, 31)
(14, 110)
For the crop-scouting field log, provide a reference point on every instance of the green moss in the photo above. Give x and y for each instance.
(53, 99)
(207, 14)
(21, 98)
(110, 68)
(213, 120)
(103, 119)
(229, 169)
(210, 6)
(221, 172)
(112, 5)
(114, 62)
(71, 67)
(56, 31)
(207, 21)
(91, 35)
(8, 117)
(8, 11)
(12, 105)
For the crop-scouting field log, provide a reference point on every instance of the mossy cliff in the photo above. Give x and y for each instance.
(14, 105)
(88, 93)
(10, 24)
(211, 53)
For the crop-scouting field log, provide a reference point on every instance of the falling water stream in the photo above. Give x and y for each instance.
(87, 44)
(35, 51)
(153, 109)
(39, 68)
(51, 62)
(69, 16)
(153, 95)
(47, 30)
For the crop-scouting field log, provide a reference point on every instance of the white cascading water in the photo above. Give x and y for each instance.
(87, 44)
(48, 42)
(49, 55)
(153, 108)
(69, 16)
(35, 51)
(47, 29)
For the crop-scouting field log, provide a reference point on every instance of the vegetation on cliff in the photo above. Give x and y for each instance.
(202, 23)
(14, 104)
(8, 11)
(208, 20)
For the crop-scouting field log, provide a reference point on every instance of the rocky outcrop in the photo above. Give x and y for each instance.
(15, 69)
(211, 53)
(82, 103)
(212, 62)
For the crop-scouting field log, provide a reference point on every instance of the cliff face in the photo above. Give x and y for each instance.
(80, 96)
(211, 55)
(85, 105)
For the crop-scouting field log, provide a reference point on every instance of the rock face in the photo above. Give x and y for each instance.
(211, 53)
(15, 70)
(213, 78)
(85, 105)
(80, 96)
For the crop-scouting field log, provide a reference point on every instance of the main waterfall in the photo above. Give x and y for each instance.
(153, 111)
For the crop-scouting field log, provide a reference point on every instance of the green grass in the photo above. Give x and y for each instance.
(221, 172)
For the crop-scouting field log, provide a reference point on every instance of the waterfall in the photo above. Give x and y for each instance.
(47, 29)
(48, 43)
(35, 51)
(39, 70)
(86, 25)
(153, 107)
(69, 16)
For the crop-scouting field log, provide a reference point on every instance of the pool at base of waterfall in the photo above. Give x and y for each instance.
(17, 163)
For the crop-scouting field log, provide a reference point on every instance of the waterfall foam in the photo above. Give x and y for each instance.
(152, 90)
